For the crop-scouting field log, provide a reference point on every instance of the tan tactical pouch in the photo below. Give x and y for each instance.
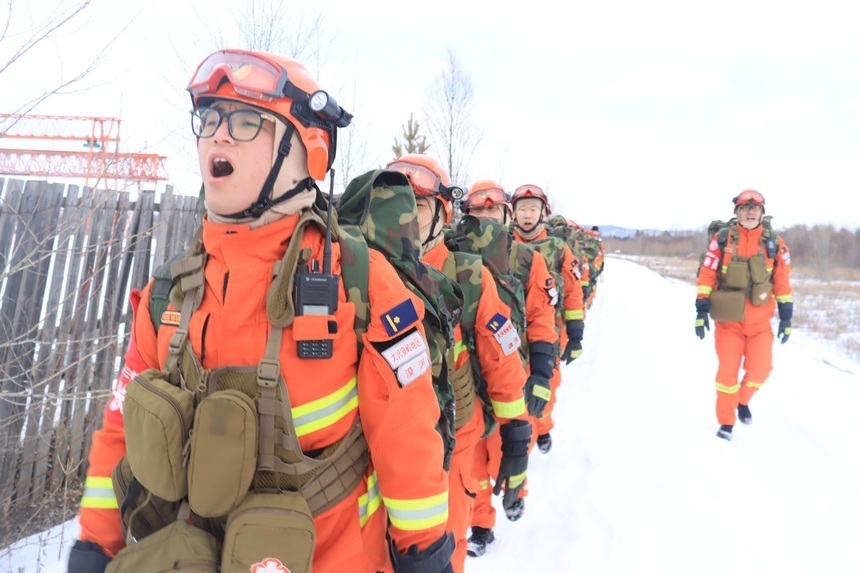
(157, 416)
(737, 275)
(727, 306)
(761, 285)
(223, 453)
(273, 525)
(464, 395)
(178, 547)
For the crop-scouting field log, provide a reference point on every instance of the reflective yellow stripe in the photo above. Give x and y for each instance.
(459, 348)
(784, 298)
(576, 353)
(574, 314)
(483, 484)
(517, 479)
(725, 269)
(727, 389)
(586, 283)
(98, 494)
(755, 384)
(327, 410)
(368, 503)
(542, 392)
(509, 409)
(418, 514)
(700, 322)
(705, 290)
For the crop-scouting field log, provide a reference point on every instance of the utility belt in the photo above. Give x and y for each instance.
(744, 279)
(223, 470)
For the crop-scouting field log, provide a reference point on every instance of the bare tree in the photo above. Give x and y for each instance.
(450, 118)
(410, 141)
(16, 46)
(351, 157)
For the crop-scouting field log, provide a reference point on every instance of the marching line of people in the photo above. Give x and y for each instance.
(345, 390)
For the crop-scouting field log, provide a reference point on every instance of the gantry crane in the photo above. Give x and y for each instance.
(100, 163)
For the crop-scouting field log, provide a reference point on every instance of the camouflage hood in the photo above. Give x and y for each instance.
(557, 226)
(490, 239)
(381, 204)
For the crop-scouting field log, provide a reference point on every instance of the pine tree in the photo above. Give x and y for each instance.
(411, 141)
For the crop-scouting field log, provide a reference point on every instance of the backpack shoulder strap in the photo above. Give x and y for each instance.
(466, 270)
(355, 269)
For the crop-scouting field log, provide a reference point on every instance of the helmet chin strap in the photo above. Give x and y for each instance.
(431, 237)
(264, 203)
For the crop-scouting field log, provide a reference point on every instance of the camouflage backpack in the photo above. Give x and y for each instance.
(552, 249)
(557, 226)
(493, 242)
(381, 206)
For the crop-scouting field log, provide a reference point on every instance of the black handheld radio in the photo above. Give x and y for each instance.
(316, 292)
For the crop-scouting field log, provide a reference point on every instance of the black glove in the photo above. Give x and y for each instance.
(573, 350)
(434, 559)
(516, 436)
(703, 307)
(586, 292)
(87, 557)
(541, 364)
(786, 309)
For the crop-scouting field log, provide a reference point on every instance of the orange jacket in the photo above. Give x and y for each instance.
(749, 243)
(540, 313)
(398, 422)
(574, 309)
(504, 373)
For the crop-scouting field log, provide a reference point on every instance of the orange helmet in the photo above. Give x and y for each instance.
(486, 193)
(279, 85)
(428, 179)
(528, 190)
(747, 197)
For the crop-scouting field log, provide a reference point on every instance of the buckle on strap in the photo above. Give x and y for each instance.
(177, 341)
(268, 372)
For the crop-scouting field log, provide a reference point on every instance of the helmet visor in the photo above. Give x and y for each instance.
(529, 191)
(251, 75)
(486, 198)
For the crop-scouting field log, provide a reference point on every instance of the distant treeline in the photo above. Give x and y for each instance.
(823, 247)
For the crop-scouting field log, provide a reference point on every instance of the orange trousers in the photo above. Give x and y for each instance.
(747, 344)
(462, 489)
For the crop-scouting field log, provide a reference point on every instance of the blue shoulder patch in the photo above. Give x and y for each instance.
(400, 317)
(497, 322)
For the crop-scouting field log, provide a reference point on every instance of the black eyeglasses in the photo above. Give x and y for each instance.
(242, 124)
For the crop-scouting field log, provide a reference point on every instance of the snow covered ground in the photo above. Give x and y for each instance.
(637, 480)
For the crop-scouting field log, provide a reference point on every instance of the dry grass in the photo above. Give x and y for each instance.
(829, 310)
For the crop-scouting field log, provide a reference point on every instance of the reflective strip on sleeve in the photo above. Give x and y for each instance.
(574, 314)
(727, 389)
(98, 494)
(705, 290)
(327, 410)
(509, 409)
(586, 283)
(784, 298)
(368, 503)
(418, 514)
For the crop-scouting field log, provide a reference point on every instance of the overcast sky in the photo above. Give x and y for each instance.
(640, 114)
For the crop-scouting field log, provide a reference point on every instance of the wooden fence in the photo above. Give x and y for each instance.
(69, 258)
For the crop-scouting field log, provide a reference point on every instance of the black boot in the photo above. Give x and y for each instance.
(725, 432)
(544, 443)
(477, 544)
(516, 510)
(744, 414)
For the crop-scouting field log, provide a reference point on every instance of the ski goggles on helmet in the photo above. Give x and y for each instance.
(529, 191)
(256, 76)
(747, 197)
(242, 124)
(426, 182)
(486, 198)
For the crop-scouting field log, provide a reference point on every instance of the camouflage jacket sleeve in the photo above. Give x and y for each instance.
(573, 305)
(540, 303)
(399, 416)
(497, 344)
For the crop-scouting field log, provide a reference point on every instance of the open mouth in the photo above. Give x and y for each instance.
(220, 167)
